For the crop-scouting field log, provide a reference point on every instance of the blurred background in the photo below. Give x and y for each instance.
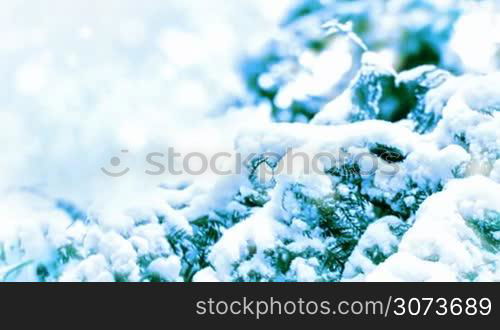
(82, 80)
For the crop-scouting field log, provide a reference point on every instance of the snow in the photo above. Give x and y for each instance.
(441, 245)
(338, 111)
(303, 269)
(80, 95)
(92, 269)
(475, 36)
(379, 235)
(167, 268)
(258, 230)
(205, 275)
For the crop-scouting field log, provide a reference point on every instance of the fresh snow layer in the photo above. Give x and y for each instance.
(441, 245)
